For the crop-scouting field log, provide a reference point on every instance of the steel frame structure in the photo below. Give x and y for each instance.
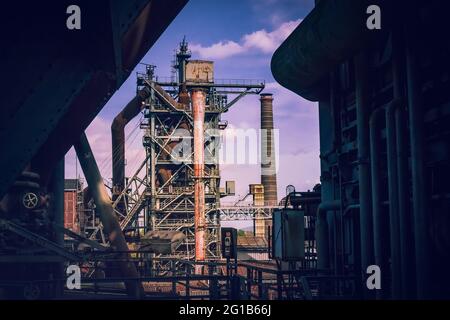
(153, 203)
(233, 213)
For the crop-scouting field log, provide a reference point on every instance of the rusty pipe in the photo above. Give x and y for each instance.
(104, 208)
(130, 111)
(198, 111)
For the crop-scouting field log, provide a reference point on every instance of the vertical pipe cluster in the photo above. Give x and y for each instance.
(268, 164)
(405, 231)
(198, 111)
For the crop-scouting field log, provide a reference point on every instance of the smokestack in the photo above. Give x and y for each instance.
(268, 165)
(198, 111)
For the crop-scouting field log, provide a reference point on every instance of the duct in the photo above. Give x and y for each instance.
(394, 226)
(334, 30)
(416, 134)
(321, 233)
(379, 225)
(397, 197)
(405, 223)
(130, 111)
(268, 165)
(104, 208)
(198, 111)
(365, 216)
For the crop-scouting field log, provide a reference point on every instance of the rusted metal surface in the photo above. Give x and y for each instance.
(70, 211)
(268, 165)
(198, 111)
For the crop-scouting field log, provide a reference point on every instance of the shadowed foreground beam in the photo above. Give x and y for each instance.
(106, 212)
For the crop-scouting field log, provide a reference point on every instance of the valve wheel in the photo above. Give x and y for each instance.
(30, 200)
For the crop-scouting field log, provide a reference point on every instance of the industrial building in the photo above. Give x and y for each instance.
(382, 201)
(384, 145)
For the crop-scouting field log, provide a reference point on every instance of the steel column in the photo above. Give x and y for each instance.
(362, 112)
(379, 221)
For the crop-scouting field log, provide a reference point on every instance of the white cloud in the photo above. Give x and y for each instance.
(267, 42)
(260, 41)
(220, 50)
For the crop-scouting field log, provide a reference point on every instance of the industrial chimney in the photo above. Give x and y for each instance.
(268, 165)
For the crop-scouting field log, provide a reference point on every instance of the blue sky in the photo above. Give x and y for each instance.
(240, 37)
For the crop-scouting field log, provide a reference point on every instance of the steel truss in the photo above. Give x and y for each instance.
(160, 195)
(233, 213)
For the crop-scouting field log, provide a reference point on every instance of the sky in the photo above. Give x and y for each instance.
(240, 36)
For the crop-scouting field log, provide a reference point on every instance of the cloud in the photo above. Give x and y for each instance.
(220, 50)
(276, 12)
(268, 42)
(260, 41)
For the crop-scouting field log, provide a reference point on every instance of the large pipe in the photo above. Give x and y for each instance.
(394, 225)
(130, 111)
(362, 113)
(268, 164)
(416, 135)
(405, 221)
(104, 208)
(331, 32)
(322, 232)
(198, 111)
(379, 223)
